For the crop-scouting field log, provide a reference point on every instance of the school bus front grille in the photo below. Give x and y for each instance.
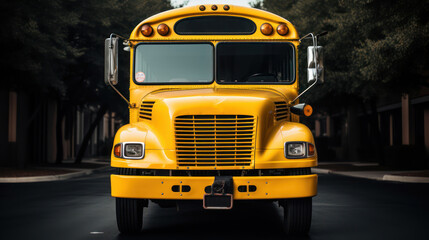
(282, 111)
(215, 140)
(146, 110)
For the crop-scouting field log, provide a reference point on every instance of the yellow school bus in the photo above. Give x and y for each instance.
(214, 114)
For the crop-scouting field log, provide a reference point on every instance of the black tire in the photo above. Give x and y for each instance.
(297, 216)
(129, 215)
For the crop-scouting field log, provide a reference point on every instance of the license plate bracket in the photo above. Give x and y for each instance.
(217, 201)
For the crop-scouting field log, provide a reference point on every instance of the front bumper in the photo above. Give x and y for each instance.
(161, 187)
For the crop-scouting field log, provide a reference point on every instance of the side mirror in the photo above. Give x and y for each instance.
(315, 64)
(111, 61)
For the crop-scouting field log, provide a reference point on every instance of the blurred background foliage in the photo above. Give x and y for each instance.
(374, 47)
(54, 49)
(376, 52)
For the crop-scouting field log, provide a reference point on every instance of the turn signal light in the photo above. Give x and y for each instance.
(117, 150)
(146, 30)
(266, 29)
(308, 110)
(310, 150)
(302, 109)
(163, 29)
(282, 29)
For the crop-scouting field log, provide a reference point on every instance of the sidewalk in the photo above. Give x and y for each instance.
(67, 170)
(372, 171)
(54, 172)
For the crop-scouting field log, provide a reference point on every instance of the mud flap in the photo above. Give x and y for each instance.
(221, 195)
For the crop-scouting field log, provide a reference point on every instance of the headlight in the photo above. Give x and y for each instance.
(299, 149)
(129, 150)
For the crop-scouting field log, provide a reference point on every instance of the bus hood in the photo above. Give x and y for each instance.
(166, 112)
(210, 101)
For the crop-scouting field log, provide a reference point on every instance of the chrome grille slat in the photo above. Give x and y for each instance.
(215, 140)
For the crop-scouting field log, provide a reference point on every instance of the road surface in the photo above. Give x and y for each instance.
(345, 208)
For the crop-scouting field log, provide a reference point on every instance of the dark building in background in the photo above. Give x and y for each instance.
(29, 130)
(403, 132)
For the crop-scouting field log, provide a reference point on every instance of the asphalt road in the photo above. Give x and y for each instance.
(345, 208)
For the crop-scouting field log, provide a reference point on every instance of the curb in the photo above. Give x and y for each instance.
(408, 179)
(50, 178)
(321, 171)
(384, 177)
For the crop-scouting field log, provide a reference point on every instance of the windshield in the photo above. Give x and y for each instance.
(255, 63)
(157, 63)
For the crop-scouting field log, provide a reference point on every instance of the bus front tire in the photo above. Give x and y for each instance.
(297, 216)
(129, 215)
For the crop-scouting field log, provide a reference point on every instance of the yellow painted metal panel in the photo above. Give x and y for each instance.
(160, 187)
(171, 17)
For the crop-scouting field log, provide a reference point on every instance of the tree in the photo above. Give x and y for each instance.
(85, 79)
(55, 48)
(375, 49)
(371, 46)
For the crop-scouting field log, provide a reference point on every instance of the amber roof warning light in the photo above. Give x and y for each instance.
(266, 29)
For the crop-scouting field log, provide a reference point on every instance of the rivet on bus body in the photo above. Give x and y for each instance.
(266, 29)
(226, 7)
(214, 7)
(202, 8)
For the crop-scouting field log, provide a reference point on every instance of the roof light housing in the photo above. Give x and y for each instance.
(266, 29)
(282, 29)
(146, 30)
(163, 29)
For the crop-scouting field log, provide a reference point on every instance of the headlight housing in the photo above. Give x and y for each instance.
(298, 149)
(129, 150)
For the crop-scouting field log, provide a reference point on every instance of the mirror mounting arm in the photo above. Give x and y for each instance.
(314, 38)
(120, 94)
(117, 35)
(304, 91)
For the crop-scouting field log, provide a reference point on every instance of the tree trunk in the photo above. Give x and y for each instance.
(59, 133)
(85, 142)
(376, 135)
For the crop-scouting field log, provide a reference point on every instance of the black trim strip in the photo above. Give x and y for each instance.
(211, 173)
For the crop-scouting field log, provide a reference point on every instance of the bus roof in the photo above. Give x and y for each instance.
(171, 17)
